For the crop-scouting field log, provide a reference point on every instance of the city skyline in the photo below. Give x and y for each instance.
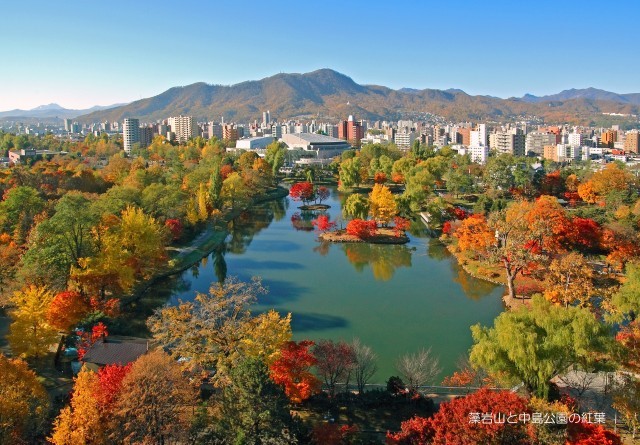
(80, 55)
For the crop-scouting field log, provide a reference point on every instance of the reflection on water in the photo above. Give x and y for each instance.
(383, 259)
(340, 291)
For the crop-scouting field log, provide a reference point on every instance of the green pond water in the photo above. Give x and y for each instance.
(395, 298)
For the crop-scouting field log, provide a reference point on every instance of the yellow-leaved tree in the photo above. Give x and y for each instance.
(570, 280)
(382, 205)
(25, 403)
(217, 330)
(80, 422)
(131, 248)
(30, 334)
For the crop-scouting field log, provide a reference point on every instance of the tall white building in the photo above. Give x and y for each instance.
(130, 133)
(478, 147)
(479, 154)
(575, 139)
(183, 127)
(478, 137)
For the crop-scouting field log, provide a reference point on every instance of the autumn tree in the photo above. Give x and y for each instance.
(361, 229)
(453, 423)
(81, 421)
(474, 234)
(518, 242)
(621, 244)
(25, 403)
(292, 370)
(30, 334)
(66, 310)
(418, 369)
(570, 280)
(382, 204)
(335, 361)
(234, 191)
(131, 248)
(585, 235)
(217, 329)
(365, 366)
(533, 344)
(154, 402)
(323, 224)
(302, 191)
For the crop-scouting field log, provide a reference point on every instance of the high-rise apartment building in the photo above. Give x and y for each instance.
(608, 138)
(130, 133)
(478, 137)
(266, 117)
(183, 128)
(145, 136)
(511, 141)
(404, 138)
(230, 132)
(632, 141)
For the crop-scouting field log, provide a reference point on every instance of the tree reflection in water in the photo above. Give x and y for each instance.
(383, 259)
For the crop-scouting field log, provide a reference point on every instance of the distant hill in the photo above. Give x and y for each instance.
(52, 111)
(331, 95)
(588, 94)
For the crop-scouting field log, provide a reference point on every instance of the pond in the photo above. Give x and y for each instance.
(395, 298)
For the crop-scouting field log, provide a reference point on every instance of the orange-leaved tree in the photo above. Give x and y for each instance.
(475, 235)
(292, 370)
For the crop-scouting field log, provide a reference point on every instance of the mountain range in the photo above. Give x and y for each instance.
(52, 111)
(328, 94)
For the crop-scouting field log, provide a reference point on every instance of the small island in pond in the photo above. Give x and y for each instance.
(383, 235)
(315, 207)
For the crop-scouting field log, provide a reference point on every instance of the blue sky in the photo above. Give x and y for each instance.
(82, 53)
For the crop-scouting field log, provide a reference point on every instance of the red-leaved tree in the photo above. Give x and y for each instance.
(584, 433)
(323, 224)
(380, 178)
(292, 370)
(87, 339)
(302, 191)
(457, 422)
(175, 227)
(400, 224)
(110, 379)
(335, 362)
(361, 228)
